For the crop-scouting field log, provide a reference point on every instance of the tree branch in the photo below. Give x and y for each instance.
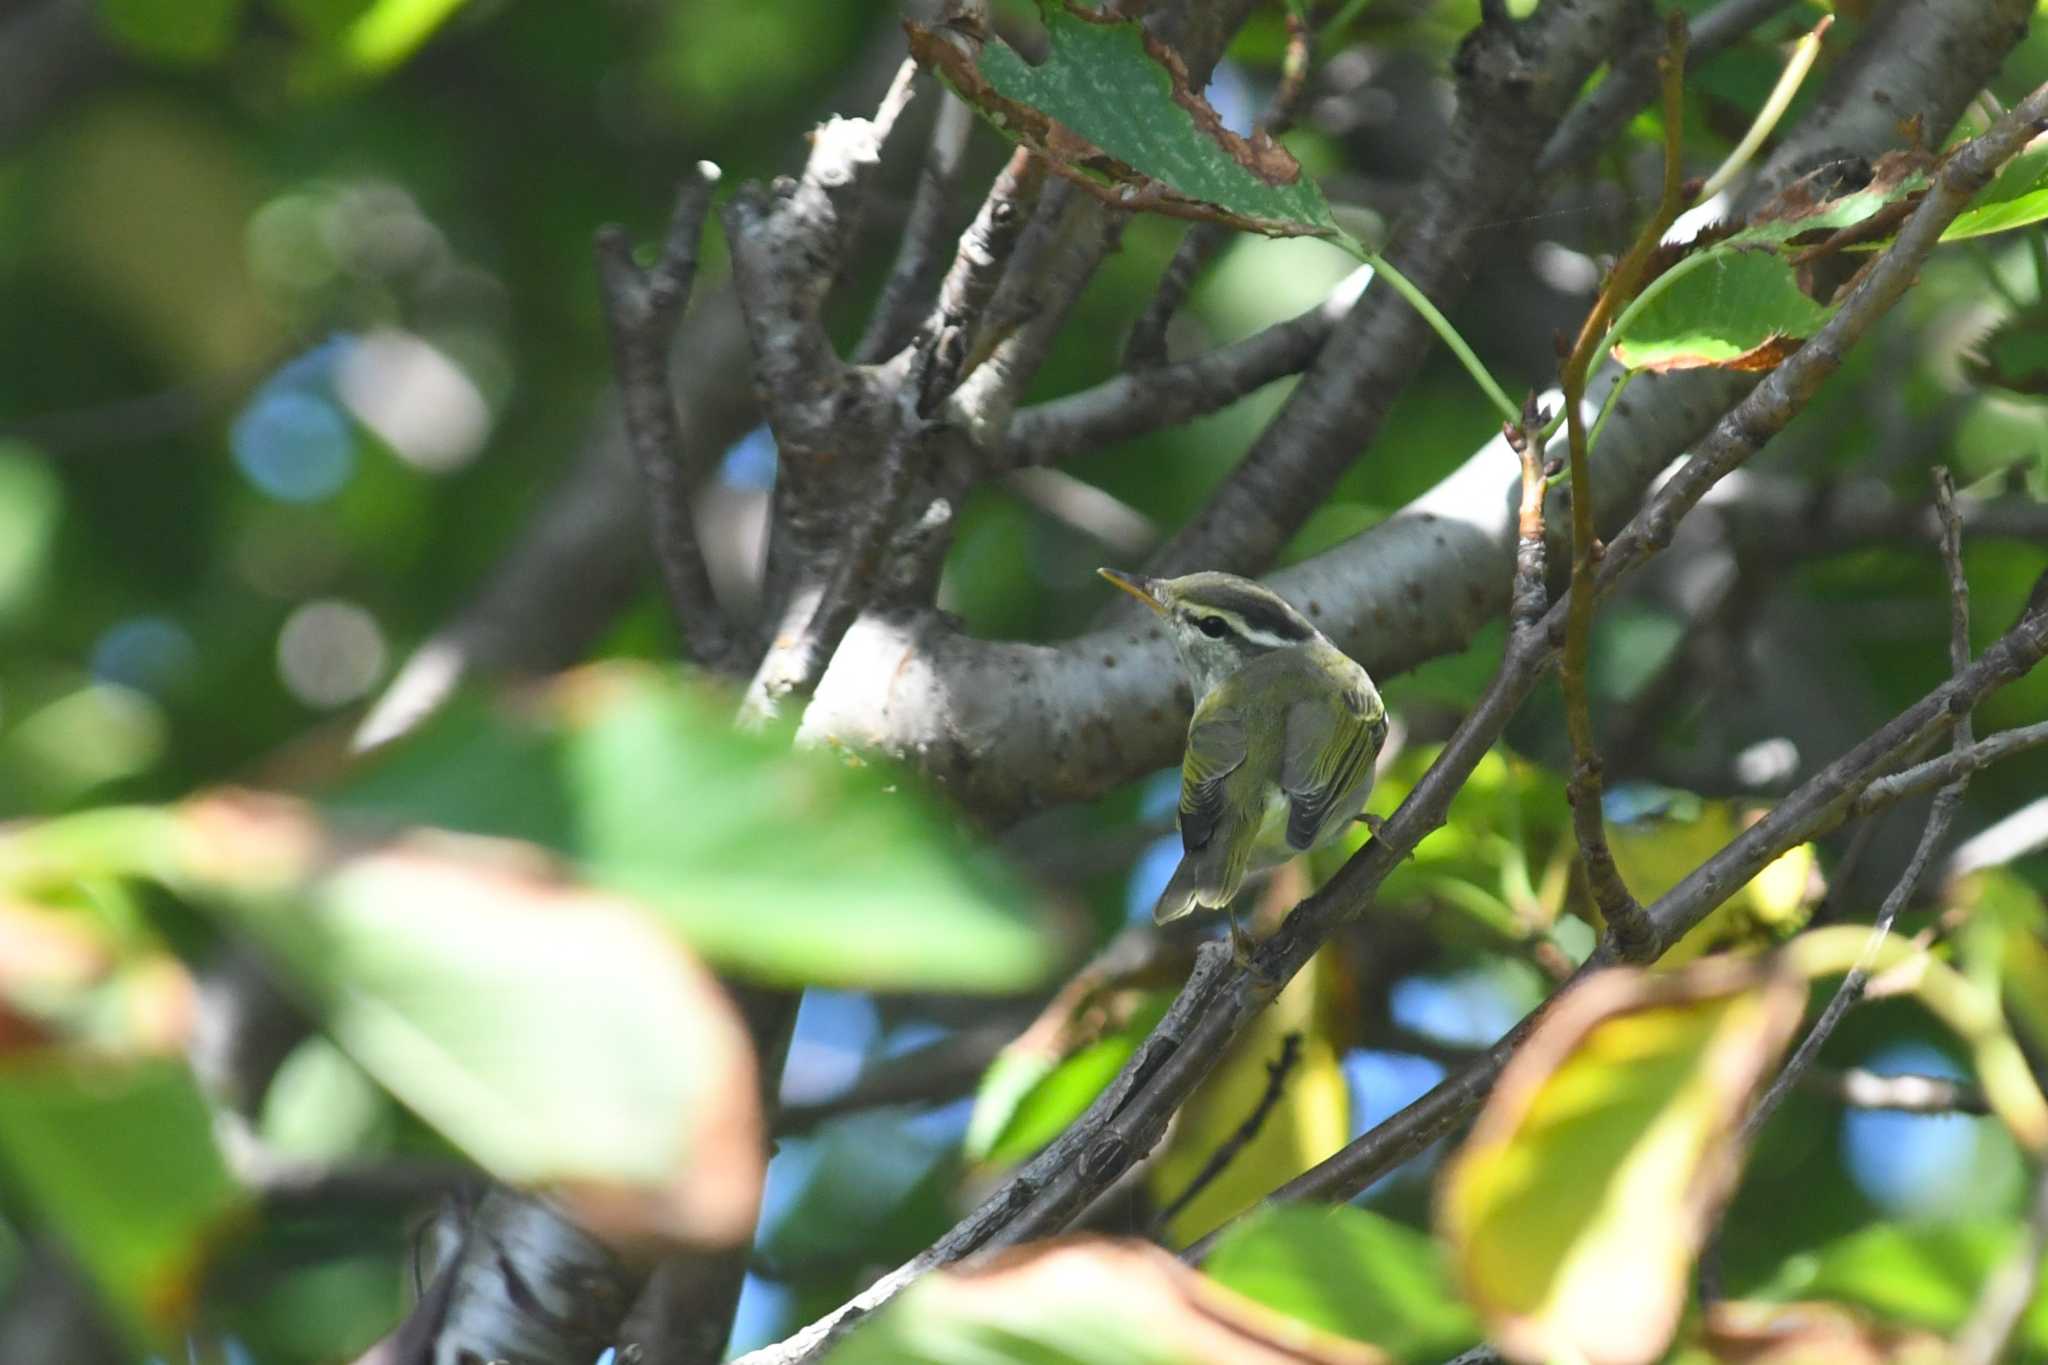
(896, 307)
(1143, 401)
(643, 308)
(1619, 910)
(1219, 1161)
(1515, 82)
(1850, 991)
(1145, 348)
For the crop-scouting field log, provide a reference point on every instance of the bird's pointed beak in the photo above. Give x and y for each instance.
(1140, 588)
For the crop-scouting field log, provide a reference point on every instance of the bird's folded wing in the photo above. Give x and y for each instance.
(1216, 749)
(1327, 763)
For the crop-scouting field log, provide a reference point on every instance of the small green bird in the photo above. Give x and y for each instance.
(1285, 731)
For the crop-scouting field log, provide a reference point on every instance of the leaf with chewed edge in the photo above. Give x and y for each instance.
(1575, 1208)
(1114, 110)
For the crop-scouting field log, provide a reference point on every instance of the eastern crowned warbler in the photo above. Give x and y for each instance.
(1280, 751)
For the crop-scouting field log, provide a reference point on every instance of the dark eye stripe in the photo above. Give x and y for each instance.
(1265, 617)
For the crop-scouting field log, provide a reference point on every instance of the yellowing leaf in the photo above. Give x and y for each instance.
(1310, 1120)
(1086, 1301)
(1655, 853)
(1576, 1206)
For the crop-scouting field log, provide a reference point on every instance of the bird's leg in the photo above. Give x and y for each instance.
(1374, 823)
(1243, 948)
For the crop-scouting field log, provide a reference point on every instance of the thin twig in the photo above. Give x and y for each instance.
(1939, 772)
(949, 335)
(1277, 1072)
(1146, 346)
(1622, 913)
(1851, 989)
(2008, 1292)
(1139, 402)
(895, 308)
(1908, 1094)
(1634, 80)
(643, 307)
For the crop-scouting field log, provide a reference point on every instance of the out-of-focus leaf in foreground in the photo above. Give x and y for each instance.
(1576, 1206)
(1351, 1272)
(794, 866)
(559, 1036)
(1734, 1332)
(118, 1160)
(1113, 109)
(1928, 1273)
(1087, 1301)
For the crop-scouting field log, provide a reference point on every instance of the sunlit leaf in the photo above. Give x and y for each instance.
(1086, 1302)
(118, 1159)
(1112, 107)
(790, 865)
(1351, 1272)
(1655, 851)
(375, 37)
(31, 502)
(1576, 1206)
(2017, 198)
(1735, 309)
(559, 1036)
(1031, 1093)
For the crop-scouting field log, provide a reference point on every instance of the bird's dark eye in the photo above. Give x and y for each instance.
(1213, 627)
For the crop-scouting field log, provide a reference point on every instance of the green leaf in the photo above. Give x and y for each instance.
(1113, 109)
(189, 32)
(1350, 1272)
(794, 866)
(1086, 1301)
(1027, 1099)
(373, 38)
(1727, 307)
(2017, 198)
(560, 1037)
(1925, 1273)
(119, 1161)
(1605, 1152)
(31, 507)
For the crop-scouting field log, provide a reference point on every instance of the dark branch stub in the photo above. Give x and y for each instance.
(643, 308)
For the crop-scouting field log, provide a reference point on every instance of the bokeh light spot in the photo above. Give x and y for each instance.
(152, 654)
(417, 400)
(330, 653)
(293, 445)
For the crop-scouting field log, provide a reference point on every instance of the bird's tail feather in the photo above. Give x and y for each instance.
(1184, 894)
